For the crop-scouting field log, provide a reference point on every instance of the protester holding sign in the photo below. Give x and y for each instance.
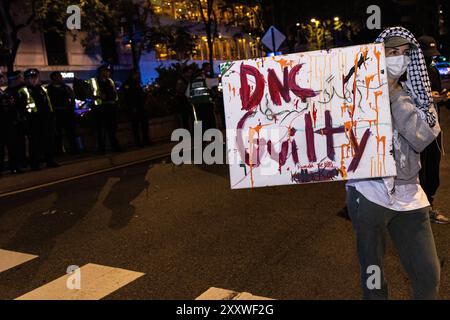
(399, 205)
(344, 114)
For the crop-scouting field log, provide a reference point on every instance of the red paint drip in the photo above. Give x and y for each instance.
(314, 114)
(245, 156)
(294, 152)
(310, 145)
(283, 154)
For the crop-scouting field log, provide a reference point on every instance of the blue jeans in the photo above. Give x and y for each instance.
(412, 236)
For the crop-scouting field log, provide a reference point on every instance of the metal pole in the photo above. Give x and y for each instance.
(273, 40)
(273, 24)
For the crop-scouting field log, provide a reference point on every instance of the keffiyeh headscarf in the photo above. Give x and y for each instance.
(417, 72)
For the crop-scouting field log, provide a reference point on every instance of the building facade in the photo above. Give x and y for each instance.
(232, 41)
(49, 52)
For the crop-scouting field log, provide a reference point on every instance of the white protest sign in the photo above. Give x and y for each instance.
(308, 117)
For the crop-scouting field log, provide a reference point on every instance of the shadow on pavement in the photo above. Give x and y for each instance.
(123, 193)
(42, 227)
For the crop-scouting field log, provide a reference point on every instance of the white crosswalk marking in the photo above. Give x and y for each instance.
(97, 281)
(223, 294)
(10, 259)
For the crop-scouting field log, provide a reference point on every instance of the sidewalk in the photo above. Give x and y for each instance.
(83, 165)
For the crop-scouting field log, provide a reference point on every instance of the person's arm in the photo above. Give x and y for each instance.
(410, 124)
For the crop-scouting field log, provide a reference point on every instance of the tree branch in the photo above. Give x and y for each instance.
(202, 14)
(7, 10)
(30, 19)
(215, 24)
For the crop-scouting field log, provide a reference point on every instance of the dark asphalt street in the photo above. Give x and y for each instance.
(187, 231)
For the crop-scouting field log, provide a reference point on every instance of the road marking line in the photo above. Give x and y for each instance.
(10, 259)
(223, 294)
(97, 281)
(84, 175)
(245, 296)
(217, 294)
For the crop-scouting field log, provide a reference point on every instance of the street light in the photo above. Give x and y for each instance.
(315, 21)
(336, 19)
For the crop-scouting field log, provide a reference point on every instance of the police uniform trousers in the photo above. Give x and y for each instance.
(65, 125)
(10, 140)
(105, 117)
(205, 113)
(41, 138)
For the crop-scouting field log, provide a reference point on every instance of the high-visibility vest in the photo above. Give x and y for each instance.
(93, 82)
(31, 104)
(95, 90)
(48, 98)
(199, 92)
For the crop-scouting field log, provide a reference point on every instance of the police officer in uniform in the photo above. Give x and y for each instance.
(135, 100)
(62, 98)
(17, 122)
(8, 130)
(105, 108)
(199, 95)
(41, 120)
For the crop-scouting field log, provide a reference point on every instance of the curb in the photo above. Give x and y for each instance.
(71, 170)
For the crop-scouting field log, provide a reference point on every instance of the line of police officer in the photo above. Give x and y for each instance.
(28, 111)
(41, 114)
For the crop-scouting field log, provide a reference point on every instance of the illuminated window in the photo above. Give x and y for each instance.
(163, 7)
(251, 17)
(162, 52)
(190, 10)
(254, 51)
(227, 49)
